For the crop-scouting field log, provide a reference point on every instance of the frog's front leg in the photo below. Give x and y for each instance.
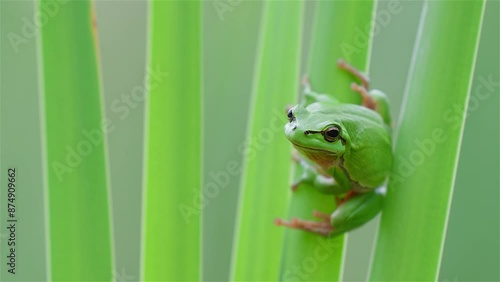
(375, 100)
(311, 175)
(350, 214)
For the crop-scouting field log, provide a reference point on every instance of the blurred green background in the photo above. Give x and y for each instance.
(471, 251)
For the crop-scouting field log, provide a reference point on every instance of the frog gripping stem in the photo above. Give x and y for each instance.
(367, 99)
(323, 228)
(331, 161)
(362, 89)
(354, 210)
(365, 81)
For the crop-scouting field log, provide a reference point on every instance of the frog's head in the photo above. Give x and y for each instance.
(317, 135)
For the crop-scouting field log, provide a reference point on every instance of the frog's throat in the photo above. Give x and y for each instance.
(325, 159)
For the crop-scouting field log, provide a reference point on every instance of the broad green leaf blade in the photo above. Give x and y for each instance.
(172, 203)
(265, 182)
(342, 30)
(414, 218)
(79, 214)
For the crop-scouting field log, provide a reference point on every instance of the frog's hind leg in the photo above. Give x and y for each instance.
(340, 200)
(350, 214)
(356, 211)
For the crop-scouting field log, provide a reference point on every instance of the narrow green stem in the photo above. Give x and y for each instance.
(342, 30)
(172, 199)
(265, 186)
(79, 214)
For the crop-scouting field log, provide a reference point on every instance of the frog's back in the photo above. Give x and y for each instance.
(351, 111)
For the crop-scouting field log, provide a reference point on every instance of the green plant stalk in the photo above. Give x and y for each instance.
(342, 30)
(265, 185)
(414, 218)
(172, 196)
(78, 208)
(228, 70)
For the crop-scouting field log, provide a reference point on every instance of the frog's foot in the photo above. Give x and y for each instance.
(323, 228)
(365, 81)
(368, 100)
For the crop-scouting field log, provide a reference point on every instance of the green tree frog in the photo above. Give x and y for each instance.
(345, 150)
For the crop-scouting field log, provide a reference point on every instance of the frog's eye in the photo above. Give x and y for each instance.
(331, 134)
(290, 115)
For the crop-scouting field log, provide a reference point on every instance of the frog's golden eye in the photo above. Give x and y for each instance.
(331, 134)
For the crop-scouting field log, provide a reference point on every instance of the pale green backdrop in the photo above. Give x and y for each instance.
(471, 251)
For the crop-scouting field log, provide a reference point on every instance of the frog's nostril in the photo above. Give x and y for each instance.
(295, 127)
